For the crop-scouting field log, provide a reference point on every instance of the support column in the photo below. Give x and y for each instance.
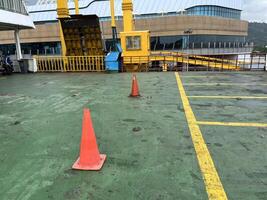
(76, 7)
(113, 25)
(18, 47)
(62, 9)
(127, 8)
(63, 12)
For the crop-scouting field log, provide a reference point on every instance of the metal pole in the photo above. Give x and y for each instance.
(127, 9)
(188, 32)
(112, 11)
(62, 12)
(62, 8)
(187, 65)
(76, 7)
(113, 24)
(265, 66)
(18, 47)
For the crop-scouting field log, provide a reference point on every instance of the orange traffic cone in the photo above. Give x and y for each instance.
(89, 159)
(135, 89)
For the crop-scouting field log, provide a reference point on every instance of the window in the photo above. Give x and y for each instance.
(133, 42)
(196, 41)
(214, 11)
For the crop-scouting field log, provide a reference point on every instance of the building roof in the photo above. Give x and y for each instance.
(47, 12)
(13, 15)
(30, 2)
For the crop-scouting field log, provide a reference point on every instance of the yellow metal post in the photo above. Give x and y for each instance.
(127, 8)
(62, 9)
(62, 40)
(62, 12)
(76, 7)
(112, 12)
(113, 24)
(135, 44)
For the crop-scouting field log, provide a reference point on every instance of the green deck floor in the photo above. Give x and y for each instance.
(150, 155)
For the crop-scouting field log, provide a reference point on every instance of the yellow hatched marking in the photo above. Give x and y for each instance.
(232, 124)
(226, 97)
(224, 84)
(211, 178)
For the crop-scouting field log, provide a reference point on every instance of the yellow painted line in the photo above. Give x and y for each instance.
(2, 78)
(195, 76)
(226, 97)
(232, 124)
(206, 76)
(224, 84)
(211, 178)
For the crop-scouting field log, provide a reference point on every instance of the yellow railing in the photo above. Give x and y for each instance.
(180, 54)
(70, 63)
(172, 60)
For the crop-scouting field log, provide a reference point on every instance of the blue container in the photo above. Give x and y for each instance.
(113, 61)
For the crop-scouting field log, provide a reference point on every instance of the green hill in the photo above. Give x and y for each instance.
(257, 33)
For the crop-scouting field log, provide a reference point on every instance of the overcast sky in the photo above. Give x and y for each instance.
(255, 10)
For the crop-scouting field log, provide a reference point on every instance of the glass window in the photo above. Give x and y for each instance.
(133, 42)
(215, 11)
(196, 41)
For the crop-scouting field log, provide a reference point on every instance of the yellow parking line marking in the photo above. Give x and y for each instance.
(195, 76)
(206, 76)
(2, 78)
(232, 124)
(227, 97)
(223, 84)
(211, 178)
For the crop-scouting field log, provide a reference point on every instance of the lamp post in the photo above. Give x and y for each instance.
(188, 32)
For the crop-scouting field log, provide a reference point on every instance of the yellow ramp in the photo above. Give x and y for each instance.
(195, 60)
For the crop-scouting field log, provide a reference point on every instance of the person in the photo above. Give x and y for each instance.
(8, 61)
(8, 66)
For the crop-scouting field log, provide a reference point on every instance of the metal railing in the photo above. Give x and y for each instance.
(218, 51)
(171, 61)
(204, 48)
(157, 61)
(70, 63)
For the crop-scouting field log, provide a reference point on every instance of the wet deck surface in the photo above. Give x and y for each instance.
(150, 154)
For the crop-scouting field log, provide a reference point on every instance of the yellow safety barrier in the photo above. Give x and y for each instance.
(205, 58)
(70, 63)
(172, 60)
(202, 60)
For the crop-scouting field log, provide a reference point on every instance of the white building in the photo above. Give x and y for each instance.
(216, 26)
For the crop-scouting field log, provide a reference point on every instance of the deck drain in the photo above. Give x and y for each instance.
(17, 122)
(136, 129)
